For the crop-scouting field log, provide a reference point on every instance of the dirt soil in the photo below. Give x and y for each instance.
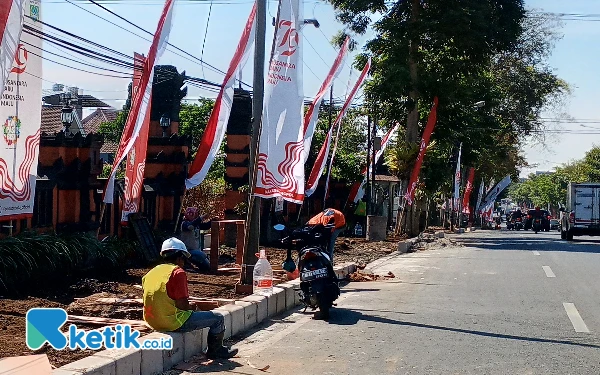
(79, 298)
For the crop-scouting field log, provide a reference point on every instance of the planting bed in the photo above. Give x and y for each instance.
(79, 297)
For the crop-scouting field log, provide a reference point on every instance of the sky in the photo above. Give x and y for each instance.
(574, 58)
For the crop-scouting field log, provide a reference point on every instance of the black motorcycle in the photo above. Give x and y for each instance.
(319, 286)
(537, 224)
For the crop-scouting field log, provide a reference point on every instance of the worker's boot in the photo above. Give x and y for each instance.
(216, 348)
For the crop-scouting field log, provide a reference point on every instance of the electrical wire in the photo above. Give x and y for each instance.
(205, 33)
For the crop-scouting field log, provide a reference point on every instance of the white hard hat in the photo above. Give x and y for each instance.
(173, 245)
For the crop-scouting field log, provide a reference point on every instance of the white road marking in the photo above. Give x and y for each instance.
(548, 271)
(535, 252)
(575, 318)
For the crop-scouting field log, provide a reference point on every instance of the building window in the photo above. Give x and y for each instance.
(43, 208)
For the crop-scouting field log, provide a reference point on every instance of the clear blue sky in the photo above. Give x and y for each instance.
(574, 59)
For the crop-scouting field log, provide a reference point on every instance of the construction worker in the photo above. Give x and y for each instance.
(330, 216)
(192, 223)
(166, 301)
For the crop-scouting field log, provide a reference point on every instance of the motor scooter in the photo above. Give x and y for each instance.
(319, 286)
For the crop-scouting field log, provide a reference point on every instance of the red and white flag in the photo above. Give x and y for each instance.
(466, 208)
(217, 124)
(136, 159)
(11, 25)
(414, 177)
(358, 189)
(19, 110)
(281, 156)
(141, 96)
(319, 166)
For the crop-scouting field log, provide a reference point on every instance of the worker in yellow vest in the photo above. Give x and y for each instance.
(166, 301)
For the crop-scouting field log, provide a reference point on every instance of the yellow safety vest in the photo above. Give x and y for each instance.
(160, 311)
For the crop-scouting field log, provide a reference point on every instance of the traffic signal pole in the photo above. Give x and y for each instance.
(258, 87)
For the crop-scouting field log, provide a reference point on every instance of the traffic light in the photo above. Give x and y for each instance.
(167, 92)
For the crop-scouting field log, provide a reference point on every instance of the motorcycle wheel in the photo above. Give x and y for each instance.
(324, 305)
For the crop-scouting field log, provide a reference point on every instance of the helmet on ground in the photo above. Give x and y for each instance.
(172, 246)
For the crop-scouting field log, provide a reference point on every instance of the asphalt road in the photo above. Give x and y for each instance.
(504, 303)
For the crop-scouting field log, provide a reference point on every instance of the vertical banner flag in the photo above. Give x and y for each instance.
(457, 179)
(217, 124)
(136, 159)
(319, 166)
(490, 198)
(280, 164)
(11, 25)
(141, 96)
(414, 177)
(480, 195)
(468, 189)
(20, 107)
(358, 189)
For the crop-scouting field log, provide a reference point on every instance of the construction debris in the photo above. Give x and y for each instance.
(140, 325)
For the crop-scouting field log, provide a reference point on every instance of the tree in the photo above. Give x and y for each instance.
(193, 119)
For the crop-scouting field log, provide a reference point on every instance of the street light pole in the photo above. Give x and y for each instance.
(258, 86)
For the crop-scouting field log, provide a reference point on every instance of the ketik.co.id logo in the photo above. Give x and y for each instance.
(44, 324)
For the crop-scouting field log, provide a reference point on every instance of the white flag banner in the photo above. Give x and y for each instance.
(457, 178)
(280, 164)
(490, 198)
(11, 25)
(20, 108)
(480, 195)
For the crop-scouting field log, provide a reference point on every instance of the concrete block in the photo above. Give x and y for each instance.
(262, 309)
(152, 360)
(93, 365)
(175, 354)
(204, 339)
(289, 295)
(60, 371)
(237, 317)
(127, 361)
(403, 247)
(272, 304)
(192, 343)
(250, 313)
(227, 317)
(279, 295)
(376, 228)
(440, 234)
(459, 230)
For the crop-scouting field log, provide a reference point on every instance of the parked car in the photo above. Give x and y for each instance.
(581, 216)
(545, 220)
(554, 224)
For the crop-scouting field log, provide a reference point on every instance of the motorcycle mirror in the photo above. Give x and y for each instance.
(279, 227)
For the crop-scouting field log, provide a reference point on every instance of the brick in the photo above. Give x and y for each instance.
(127, 361)
(250, 313)
(93, 365)
(175, 354)
(227, 317)
(237, 317)
(279, 296)
(289, 295)
(261, 303)
(192, 343)
(152, 360)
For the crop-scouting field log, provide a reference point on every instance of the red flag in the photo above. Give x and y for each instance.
(217, 124)
(468, 190)
(410, 192)
(141, 96)
(136, 160)
(319, 166)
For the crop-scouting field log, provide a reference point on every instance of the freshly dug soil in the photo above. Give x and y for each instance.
(80, 296)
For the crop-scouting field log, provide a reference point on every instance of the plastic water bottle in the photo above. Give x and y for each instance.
(262, 277)
(358, 230)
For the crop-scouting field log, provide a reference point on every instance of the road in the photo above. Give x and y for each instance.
(503, 303)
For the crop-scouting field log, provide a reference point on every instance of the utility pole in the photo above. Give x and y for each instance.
(258, 86)
(367, 186)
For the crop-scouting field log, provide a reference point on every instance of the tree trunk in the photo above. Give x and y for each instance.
(412, 121)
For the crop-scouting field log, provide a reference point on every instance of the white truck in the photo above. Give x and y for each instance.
(581, 216)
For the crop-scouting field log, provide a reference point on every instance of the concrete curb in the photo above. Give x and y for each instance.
(406, 245)
(239, 317)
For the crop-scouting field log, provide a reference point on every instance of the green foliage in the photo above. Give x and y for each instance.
(208, 197)
(112, 130)
(33, 257)
(193, 119)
